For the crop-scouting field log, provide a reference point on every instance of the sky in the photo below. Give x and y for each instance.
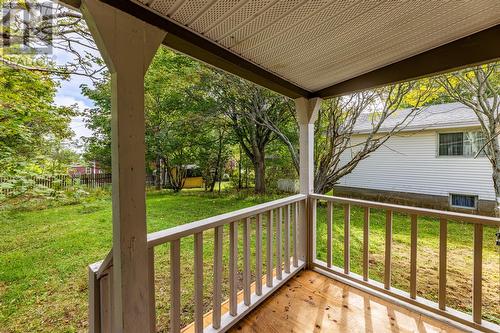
(70, 93)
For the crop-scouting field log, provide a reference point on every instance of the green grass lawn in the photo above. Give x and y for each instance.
(44, 256)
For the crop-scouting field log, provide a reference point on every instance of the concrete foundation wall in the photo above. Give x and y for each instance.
(485, 207)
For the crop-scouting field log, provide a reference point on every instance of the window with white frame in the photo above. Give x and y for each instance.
(466, 144)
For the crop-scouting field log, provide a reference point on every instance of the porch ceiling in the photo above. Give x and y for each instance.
(314, 47)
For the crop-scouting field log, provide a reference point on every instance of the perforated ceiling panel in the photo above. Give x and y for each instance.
(215, 14)
(317, 43)
(162, 6)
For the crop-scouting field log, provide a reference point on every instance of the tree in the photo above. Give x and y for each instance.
(214, 152)
(177, 121)
(247, 107)
(97, 147)
(29, 120)
(178, 125)
(336, 124)
(32, 133)
(47, 25)
(164, 86)
(479, 89)
(57, 156)
(335, 154)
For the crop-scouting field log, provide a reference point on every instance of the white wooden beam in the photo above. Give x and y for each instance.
(127, 45)
(307, 113)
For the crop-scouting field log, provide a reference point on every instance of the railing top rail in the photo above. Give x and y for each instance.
(163, 236)
(105, 264)
(478, 219)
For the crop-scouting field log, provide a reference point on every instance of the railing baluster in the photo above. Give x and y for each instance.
(388, 249)
(258, 255)
(413, 257)
(198, 282)
(216, 312)
(287, 239)
(443, 235)
(246, 261)
(347, 238)
(329, 223)
(312, 231)
(279, 257)
(294, 236)
(478, 273)
(233, 268)
(151, 289)
(269, 258)
(366, 244)
(175, 286)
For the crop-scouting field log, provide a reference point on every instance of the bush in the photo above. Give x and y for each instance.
(25, 191)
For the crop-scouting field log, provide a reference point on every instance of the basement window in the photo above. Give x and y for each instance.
(463, 201)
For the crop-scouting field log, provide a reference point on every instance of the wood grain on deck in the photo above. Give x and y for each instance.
(311, 302)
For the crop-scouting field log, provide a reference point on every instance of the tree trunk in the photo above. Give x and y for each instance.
(164, 174)
(218, 166)
(212, 184)
(239, 170)
(496, 173)
(220, 182)
(260, 172)
(158, 173)
(177, 177)
(320, 184)
(246, 176)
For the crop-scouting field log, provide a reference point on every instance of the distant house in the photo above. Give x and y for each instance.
(90, 168)
(431, 163)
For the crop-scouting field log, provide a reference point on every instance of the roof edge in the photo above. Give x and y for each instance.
(465, 124)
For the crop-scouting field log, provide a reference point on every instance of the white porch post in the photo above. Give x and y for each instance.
(307, 113)
(127, 46)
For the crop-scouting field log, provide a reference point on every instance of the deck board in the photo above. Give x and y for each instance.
(311, 302)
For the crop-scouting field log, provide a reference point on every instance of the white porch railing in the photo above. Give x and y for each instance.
(362, 281)
(282, 262)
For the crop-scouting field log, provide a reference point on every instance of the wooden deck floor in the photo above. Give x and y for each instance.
(311, 302)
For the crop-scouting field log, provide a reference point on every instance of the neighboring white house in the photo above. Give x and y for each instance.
(430, 163)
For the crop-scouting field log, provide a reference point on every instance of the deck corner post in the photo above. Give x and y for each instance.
(127, 45)
(307, 113)
(94, 302)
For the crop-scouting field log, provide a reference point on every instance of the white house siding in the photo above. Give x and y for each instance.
(409, 163)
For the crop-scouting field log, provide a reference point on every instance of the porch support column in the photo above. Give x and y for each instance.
(307, 113)
(127, 46)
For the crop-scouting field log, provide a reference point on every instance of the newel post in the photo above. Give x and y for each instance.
(127, 45)
(307, 113)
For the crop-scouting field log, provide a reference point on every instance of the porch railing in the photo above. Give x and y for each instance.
(282, 262)
(346, 275)
(281, 219)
